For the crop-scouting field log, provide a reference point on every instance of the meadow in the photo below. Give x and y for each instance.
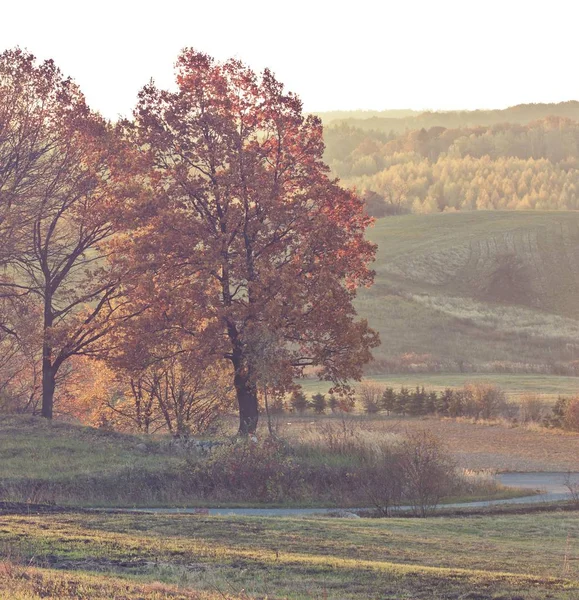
(483, 292)
(88, 556)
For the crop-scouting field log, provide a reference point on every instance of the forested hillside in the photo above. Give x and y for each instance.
(481, 164)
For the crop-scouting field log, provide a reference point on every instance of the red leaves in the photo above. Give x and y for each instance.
(249, 234)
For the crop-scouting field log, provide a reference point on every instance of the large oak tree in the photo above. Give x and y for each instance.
(244, 242)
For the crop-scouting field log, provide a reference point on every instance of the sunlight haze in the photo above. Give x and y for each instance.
(365, 55)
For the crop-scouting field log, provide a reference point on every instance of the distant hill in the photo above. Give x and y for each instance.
(476, 291)
(341, 115)
(502, 166)
(398, 121)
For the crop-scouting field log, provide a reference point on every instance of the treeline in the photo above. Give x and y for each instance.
(478, 400)
(506, 166)
(400, 121)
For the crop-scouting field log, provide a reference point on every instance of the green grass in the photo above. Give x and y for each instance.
(70, 465)
(431, 294)
(31, 447)
(528, 556)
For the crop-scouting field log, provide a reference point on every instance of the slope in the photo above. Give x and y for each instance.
(476, 291)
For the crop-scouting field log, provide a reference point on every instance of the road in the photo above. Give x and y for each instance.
(551, 488)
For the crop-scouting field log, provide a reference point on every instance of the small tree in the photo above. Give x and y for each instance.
(319, 403)
(388, 401)
(416, 404)
(402, 401)
(370, 395)
(430, 403)
(333, 403)
(299, 402)
(428, 471)
(444, 401)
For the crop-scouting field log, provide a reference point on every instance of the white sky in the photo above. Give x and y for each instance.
(440, 54)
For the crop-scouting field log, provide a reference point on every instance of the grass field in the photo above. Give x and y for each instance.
(494, 446)
(434, 292)
(73, 465)
(507, 557)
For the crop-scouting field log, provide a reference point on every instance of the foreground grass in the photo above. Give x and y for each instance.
(524, 556)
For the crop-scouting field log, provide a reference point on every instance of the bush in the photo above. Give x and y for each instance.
(340, 436)
(557, 413)
(532, 408)
(483, 400)
(277, 405)
(418, 471)
(571, 414)
(383, 481)
(249, 471)
(428, 471)
(298, 402)
(319, 403)
(370, 396)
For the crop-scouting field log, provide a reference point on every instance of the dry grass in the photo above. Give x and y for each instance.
(495, 445)
(431, 296)
(147, 557)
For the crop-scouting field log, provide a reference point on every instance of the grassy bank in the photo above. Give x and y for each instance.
(333, 463)
(528, 556)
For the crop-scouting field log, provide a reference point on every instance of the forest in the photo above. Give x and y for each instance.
(461, 161)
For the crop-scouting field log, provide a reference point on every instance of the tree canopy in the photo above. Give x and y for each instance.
(243, 244)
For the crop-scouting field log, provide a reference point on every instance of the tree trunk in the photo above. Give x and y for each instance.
(48, 369)
(246, 400)
(48, 387)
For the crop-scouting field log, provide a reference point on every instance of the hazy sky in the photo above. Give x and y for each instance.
(437, 54)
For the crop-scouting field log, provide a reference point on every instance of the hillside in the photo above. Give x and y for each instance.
(483, 291)
(402, 120)
(522, 158)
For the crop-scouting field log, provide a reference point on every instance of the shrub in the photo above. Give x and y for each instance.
(346, 404)
(319, 403)
(571, 414)
(557, 416)
(277, 405)
(532, 408)
(428, 471)
(383, 481)
(483, 400)
(264, 471)
(340, 436)
(298, 401)
(370, 396)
